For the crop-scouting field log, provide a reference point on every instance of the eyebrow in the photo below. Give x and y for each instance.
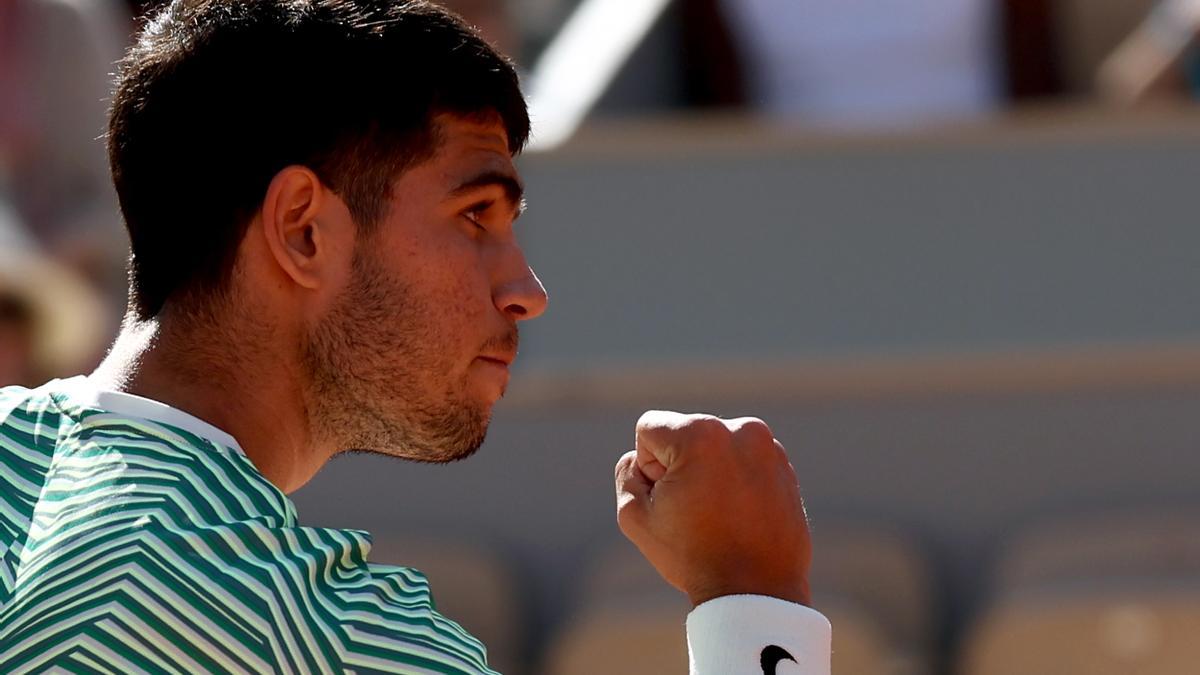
(514, 191)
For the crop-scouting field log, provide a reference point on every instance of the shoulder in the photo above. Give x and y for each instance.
(386, 614)
(378, 618)
(29, 426)
(316, 585)
(23, 400)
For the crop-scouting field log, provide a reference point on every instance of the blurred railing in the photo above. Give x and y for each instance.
(580, 63)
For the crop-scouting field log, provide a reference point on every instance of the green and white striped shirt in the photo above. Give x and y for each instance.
(136, 538)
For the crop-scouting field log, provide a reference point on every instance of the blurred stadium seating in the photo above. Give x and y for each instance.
(1097, 595)
(876, 586)
(623, 608)
(960, 334)
(1146, 546)
(473, 586)
(637, 639)
(1101, 632)
(871, 582)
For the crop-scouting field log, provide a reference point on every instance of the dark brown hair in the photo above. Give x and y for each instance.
(217, 96)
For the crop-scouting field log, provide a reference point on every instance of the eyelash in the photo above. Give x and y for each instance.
(473, 214)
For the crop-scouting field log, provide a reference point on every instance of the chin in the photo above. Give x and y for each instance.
(444, 455)
(451, 439)
(421, 456)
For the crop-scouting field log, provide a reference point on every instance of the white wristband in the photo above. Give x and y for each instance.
(757, 635)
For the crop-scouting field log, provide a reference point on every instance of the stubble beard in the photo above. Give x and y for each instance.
(378, 377)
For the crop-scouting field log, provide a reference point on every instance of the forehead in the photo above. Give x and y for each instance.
(472, 142)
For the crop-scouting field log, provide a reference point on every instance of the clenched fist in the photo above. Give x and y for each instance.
(714, 505)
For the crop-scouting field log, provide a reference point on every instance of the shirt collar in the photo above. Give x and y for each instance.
(83, 391)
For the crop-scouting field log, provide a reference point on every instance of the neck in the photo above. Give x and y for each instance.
(211, 374)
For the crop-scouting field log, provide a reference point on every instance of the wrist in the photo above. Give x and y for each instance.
(797, 592)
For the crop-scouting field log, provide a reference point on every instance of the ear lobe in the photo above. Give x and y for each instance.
(292, 233)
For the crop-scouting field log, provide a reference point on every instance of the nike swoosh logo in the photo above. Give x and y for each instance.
(771, 656)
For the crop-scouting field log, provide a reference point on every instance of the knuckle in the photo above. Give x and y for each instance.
(752, 431)
(657, 419)
(650, 416)
(648, 419)
(702, 435)
(706, 426)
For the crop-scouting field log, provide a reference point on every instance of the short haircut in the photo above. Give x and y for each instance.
(217, 96)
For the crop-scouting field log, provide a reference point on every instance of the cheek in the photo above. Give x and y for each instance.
(453, 273)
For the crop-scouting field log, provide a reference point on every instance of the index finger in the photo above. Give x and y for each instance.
(655, 436)
(662, 434)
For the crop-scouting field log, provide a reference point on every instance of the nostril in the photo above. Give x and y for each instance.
(516, 310)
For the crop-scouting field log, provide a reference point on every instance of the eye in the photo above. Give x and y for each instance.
(476, 213)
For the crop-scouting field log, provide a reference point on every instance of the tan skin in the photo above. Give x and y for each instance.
(292, 265)
(715, 506)
(448, 235)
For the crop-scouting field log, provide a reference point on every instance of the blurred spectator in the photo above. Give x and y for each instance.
(851, 63)
(1031, 47)
(713, 66)
(51, 322)
(56, 57)
(869, 63)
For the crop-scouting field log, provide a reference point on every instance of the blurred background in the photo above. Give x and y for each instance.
(946, 248)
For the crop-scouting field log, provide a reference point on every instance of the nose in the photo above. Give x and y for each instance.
(522, 298)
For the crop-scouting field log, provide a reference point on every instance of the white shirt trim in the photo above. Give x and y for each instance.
(82, 391)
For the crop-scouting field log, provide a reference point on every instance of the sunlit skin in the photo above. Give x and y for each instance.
(397, 342)
(715, 506)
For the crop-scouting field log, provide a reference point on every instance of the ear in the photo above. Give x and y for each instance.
(289, 219)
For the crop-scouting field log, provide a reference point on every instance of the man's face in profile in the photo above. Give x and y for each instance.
(416, 349)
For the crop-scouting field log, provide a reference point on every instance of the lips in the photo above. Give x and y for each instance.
(501, 349)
